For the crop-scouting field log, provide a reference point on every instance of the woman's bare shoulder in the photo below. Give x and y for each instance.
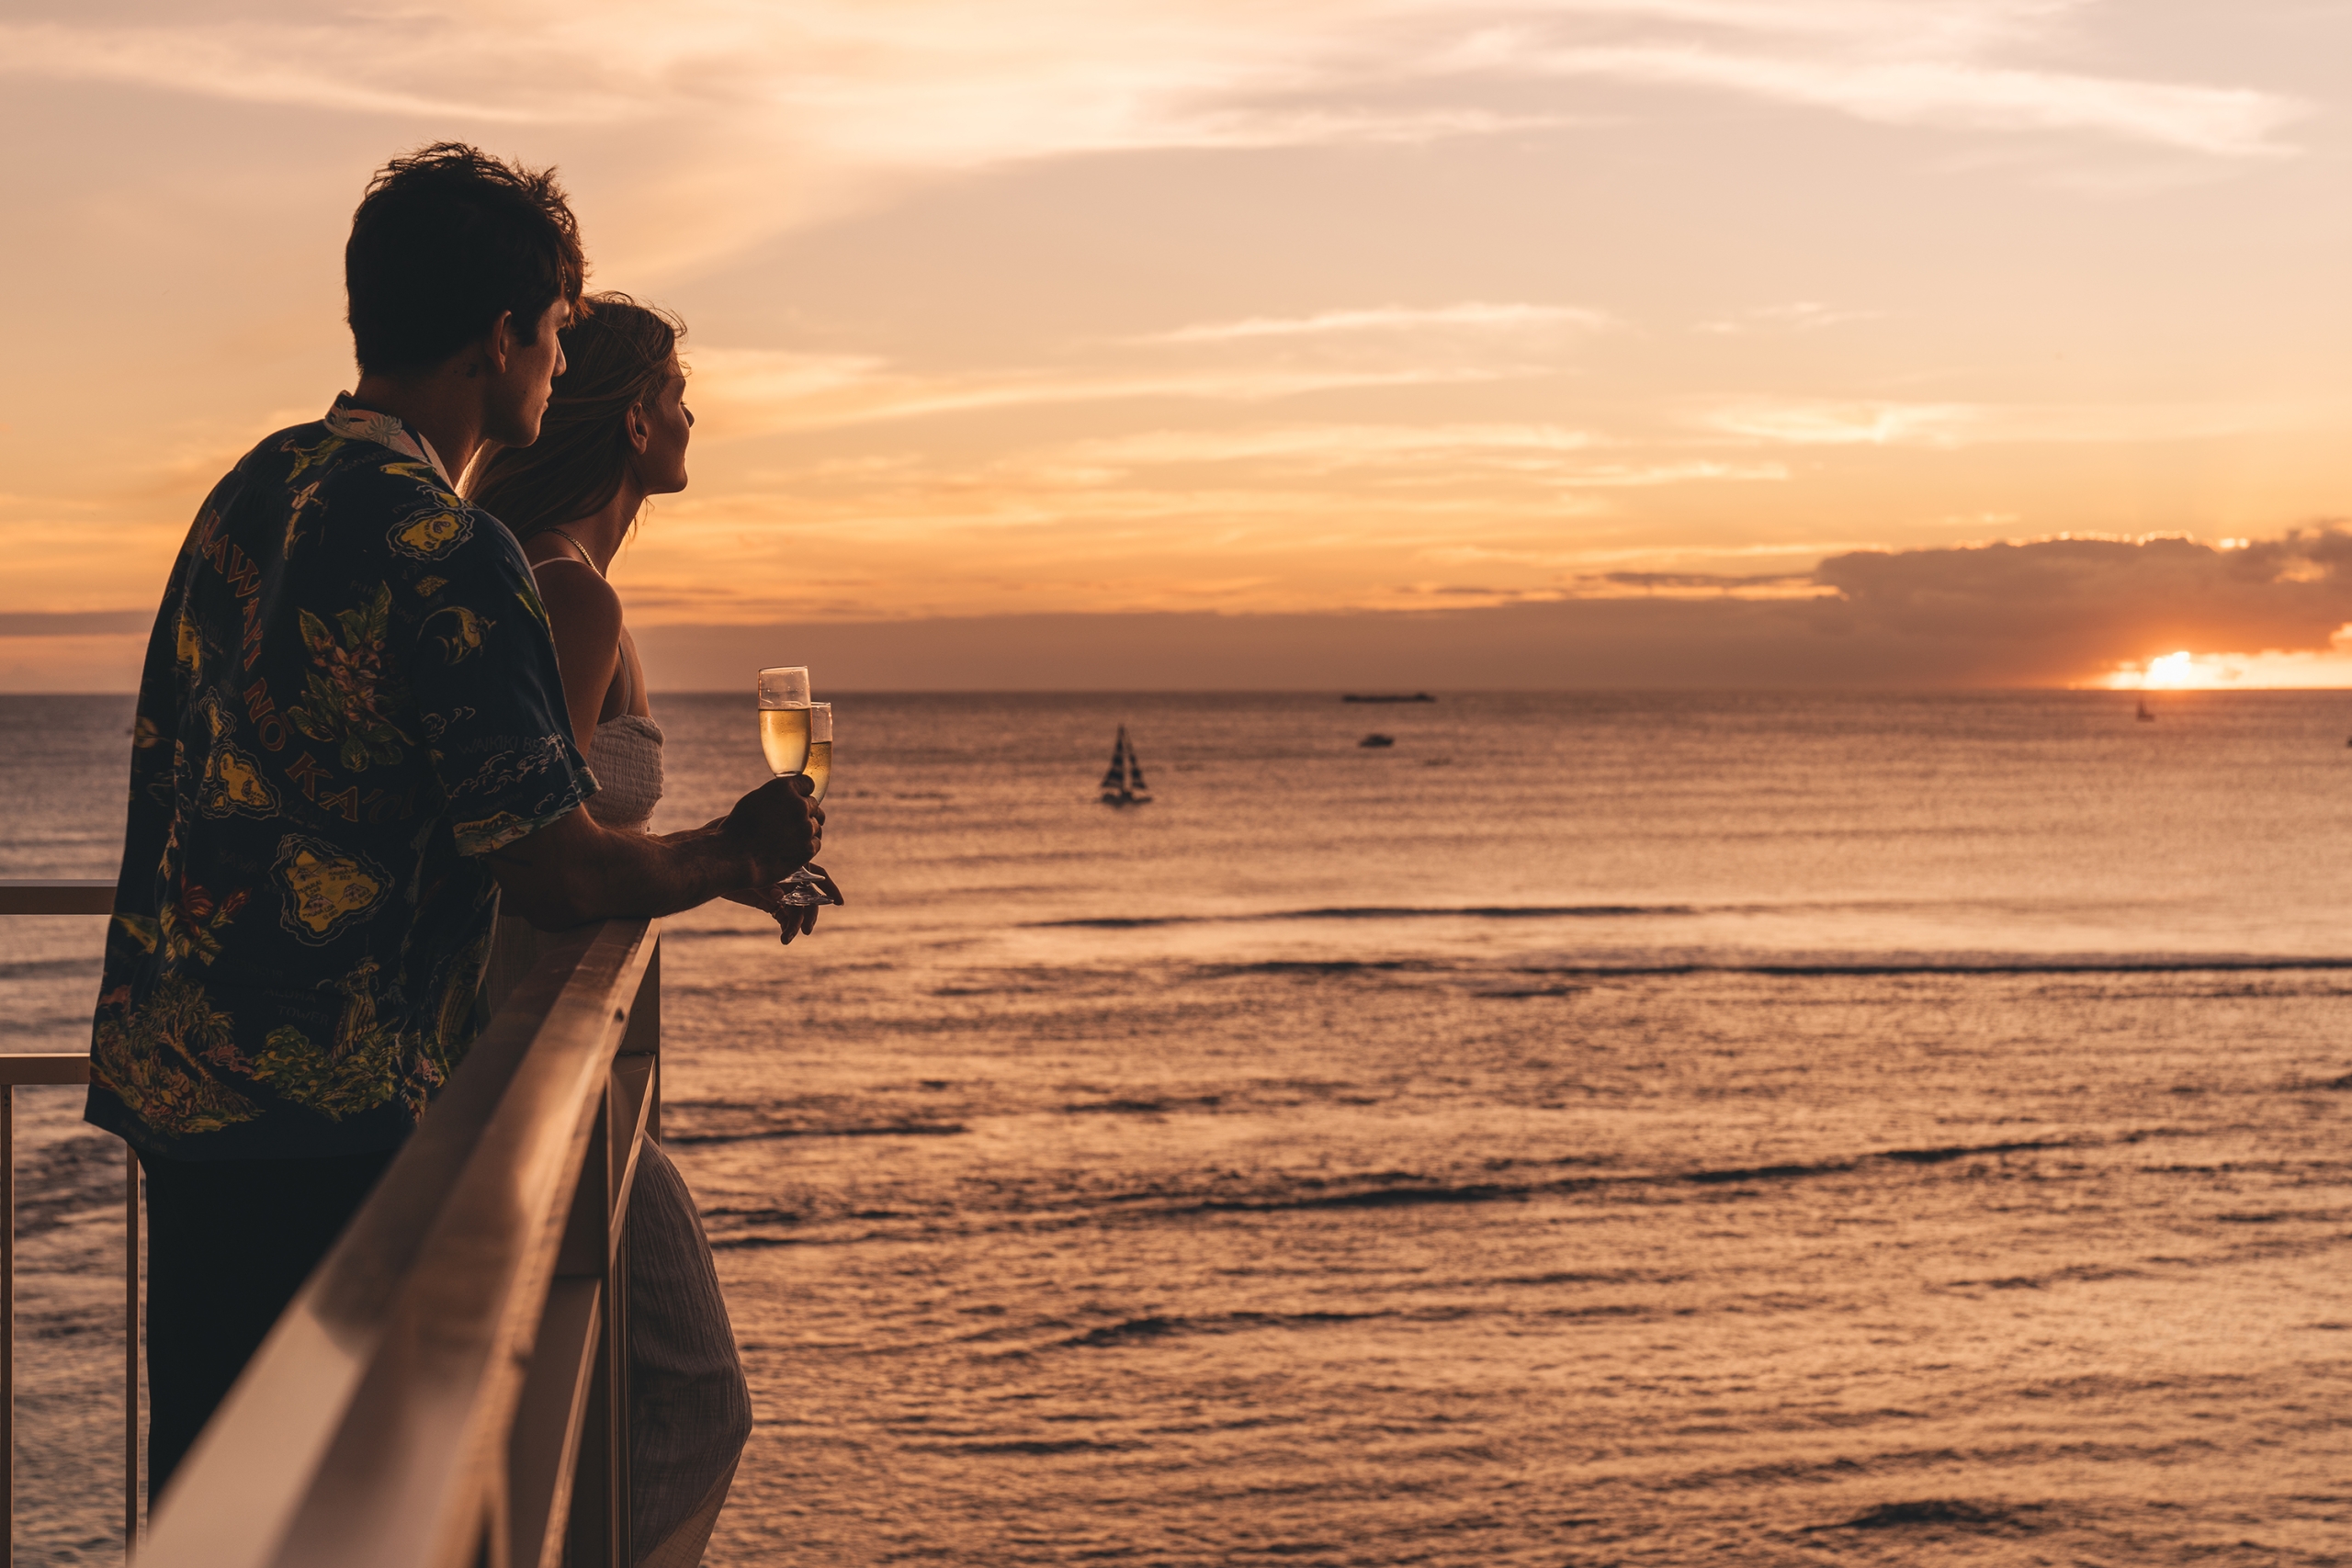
(573, 579)
(574, 593)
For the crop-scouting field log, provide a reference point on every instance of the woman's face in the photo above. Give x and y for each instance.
(661, 464)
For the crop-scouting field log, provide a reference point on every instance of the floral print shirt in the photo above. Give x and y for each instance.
(350, 697)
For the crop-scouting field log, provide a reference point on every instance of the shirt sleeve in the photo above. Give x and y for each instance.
(489, 692)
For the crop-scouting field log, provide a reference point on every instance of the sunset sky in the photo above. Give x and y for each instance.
(1182, 343)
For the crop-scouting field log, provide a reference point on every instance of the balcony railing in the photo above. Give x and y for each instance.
(451, 1386)
(54, 896)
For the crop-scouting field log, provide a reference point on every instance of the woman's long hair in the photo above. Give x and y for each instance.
(616, 356)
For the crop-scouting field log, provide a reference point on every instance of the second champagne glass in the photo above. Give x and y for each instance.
(818, 769)
(810, 885)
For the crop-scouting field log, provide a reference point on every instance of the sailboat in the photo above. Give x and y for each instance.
(1123, 785)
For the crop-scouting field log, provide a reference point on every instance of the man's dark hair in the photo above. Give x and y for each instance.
(444, 240)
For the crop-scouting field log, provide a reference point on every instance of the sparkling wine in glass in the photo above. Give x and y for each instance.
(783, 717)
(810, 885)
(818, 769)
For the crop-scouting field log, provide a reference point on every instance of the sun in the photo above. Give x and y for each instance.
(2279, 670)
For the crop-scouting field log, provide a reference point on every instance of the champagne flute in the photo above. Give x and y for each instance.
(818, 769)
(784, 718)
(810, 885)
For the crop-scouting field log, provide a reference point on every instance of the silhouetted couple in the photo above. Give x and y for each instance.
(359, 732)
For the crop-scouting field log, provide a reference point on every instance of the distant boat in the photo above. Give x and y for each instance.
(1377, 740)
(1123, 785)
(2145, 716)
(1390, 697)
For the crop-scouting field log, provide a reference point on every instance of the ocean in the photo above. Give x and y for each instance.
(1595, 1129)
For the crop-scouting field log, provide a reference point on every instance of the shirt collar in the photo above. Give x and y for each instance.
(347, 419)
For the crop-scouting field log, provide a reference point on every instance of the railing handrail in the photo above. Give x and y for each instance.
(372, 1427)
(56, 896)
(44, 1067)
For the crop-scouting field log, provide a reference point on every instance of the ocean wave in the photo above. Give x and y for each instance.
(1144, 1107)
(76, 1176)
(1807, 968)
(1382, 912)
(2161, 963)
(1744, 1175)
(77, 967)
(1961, 1151)
(1981, 1519)
(1039, 1447)
(1364, 1191)
(1145, 1330)
(2079, 1274)
(892, 1129)
(1377, 1193)
(1021, 1209)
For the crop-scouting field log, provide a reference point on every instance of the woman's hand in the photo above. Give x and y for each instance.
(792, 919)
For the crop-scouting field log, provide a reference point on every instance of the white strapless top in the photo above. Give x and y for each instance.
(626, 756)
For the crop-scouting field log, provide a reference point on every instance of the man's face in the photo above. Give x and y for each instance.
(518, 395)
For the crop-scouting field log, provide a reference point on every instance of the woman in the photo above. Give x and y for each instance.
(615, 434)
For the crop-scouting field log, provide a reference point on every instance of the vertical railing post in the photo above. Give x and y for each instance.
(8, 1323)
(129, 1352)
(640, 1037)
(586, 1253)
(645, 1034)
(616, 1400)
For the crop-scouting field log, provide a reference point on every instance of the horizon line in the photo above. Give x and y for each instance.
(1439, 692)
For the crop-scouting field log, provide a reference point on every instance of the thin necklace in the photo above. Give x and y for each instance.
(585, 558)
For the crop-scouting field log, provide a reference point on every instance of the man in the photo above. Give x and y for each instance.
(351, 740)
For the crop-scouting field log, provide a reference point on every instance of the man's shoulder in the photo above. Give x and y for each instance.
(311, 461)
(382, 500)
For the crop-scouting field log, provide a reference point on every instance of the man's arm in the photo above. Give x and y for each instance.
(573, 871)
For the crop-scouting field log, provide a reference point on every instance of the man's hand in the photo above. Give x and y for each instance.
(792, 919)
(778, 826)
(573, 870)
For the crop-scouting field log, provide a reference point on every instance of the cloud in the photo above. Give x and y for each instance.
(1958, 94)
(1763, 585)
(245, 62)
(1338, 445)
(2045, 613)
(1817, 421)
(2040, 612)
(1797, 316)
(1459, 455)
(1812, 423)
(744, 392)
(1472, 315)
(809, 104)
(2071, 608)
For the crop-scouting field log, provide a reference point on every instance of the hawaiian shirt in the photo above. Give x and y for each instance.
(350, 697)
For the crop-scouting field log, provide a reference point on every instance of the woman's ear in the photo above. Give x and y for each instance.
(640, 433)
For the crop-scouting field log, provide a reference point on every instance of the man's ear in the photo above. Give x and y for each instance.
(499, 341)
